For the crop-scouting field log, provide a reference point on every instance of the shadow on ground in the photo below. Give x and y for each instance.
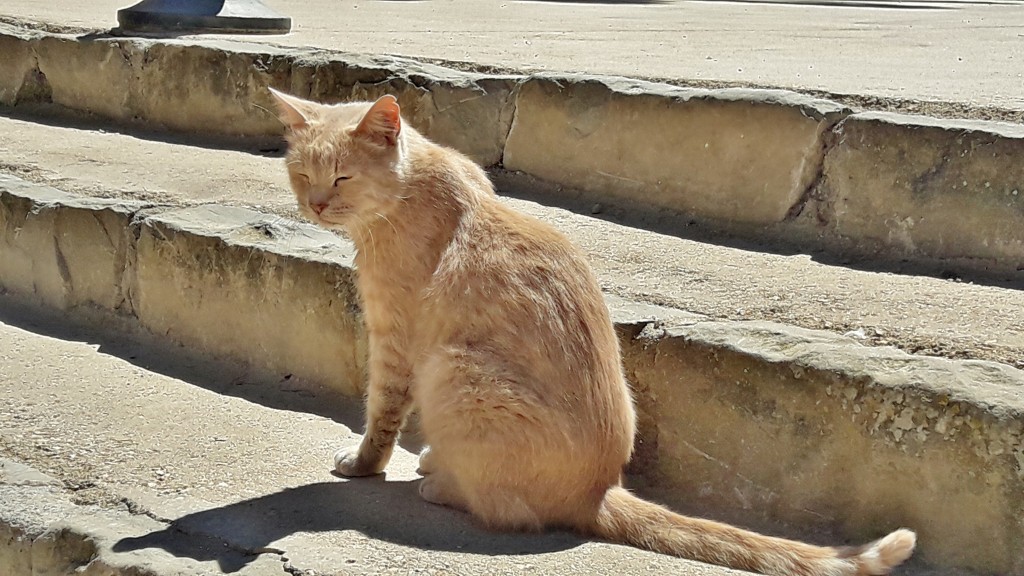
(124, 338)
(380, 510)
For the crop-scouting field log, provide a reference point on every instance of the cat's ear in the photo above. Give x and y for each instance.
(294, 112)
(382, 122)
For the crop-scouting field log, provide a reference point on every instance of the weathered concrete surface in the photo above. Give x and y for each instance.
(962, 56)
(744, 162)
(43, 532)
(736, 156)
(878, 438)
(469, 112)
(916, 313)
(67, 251)
(18, 67)
(928, 189)
(166, 84)
(173, 474)
(859, 437)
(201, 275)
(261, 289)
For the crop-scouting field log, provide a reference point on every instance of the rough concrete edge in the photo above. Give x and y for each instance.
(814, 108)
(803, 232)
(52, 534)
(767, 342)
(998, 128)
(997, 406)
(1001, 394)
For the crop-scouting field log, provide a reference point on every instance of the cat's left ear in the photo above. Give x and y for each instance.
(294, 112)
(383, 122)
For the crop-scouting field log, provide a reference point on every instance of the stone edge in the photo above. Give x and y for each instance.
(986, 419)
(429, 92)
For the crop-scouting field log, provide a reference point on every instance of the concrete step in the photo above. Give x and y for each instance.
(761, 165)
(919, 314)
(782, 427)
(752, 422)
(120, 455)
(940, 56)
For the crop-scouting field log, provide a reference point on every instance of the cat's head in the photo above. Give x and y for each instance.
(344, 160)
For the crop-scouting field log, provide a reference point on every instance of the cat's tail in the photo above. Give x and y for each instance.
(626, 519)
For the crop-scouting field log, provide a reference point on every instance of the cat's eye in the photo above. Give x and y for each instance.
(341, 179)
(303, 176)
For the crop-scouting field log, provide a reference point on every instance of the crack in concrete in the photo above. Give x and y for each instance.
(814, 190)
(38, 86)
(136, 509)
(62, 266)
(512, 101)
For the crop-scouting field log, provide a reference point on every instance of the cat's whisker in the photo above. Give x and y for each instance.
(369, 231)
(267, 110)
(388, 220)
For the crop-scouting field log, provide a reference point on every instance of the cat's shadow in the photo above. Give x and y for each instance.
(391, 511)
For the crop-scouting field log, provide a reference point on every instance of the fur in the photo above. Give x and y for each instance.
(493, 323)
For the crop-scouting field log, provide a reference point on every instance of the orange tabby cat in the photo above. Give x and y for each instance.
(493, 323)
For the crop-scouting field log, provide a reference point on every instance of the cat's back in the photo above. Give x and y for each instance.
(515, 294)
(522, 285)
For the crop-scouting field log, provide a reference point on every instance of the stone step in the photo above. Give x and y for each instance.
(121, 456)
(952, 318)
(764, 165)
(775, 427)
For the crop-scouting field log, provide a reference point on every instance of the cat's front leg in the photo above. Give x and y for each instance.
(388, 402)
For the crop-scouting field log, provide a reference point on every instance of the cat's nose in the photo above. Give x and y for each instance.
(318, 207)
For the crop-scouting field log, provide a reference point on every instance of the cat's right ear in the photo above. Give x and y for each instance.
(382, 122)
(294, 112)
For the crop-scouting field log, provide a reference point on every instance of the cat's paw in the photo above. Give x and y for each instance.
(439, 489)
(427, 464)
(353, 462)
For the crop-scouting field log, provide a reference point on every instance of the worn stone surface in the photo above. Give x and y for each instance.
(207, 87)
(166, 84)
(756, 423)
(274, 293)
(753, 163)
(914, 312)
(759, 421)
(17, 67)
(64, 250)
(219, 477)
(950, 57)
(739, 156)
(44, 532)
(469, 112)
(925, 189)
(93, 76)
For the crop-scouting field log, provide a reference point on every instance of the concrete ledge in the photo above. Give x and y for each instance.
(469, 112)
(166, 84)
(739, 156)
(43, 531)
(928, 189)
(67, 251)
(758, 423)
(274, 294)
(765, 165)
(769, 423)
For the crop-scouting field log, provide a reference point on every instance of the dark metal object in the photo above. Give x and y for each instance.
(202, 17)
